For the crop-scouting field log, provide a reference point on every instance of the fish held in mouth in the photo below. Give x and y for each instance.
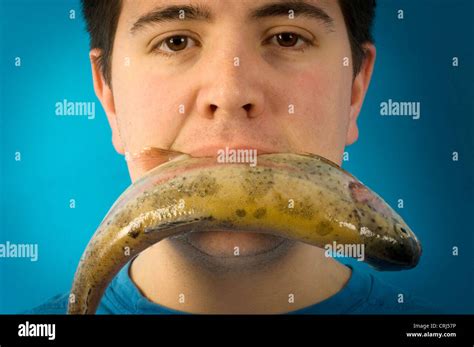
(302, 197)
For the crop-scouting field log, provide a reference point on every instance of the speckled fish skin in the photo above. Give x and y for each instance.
(190, 194)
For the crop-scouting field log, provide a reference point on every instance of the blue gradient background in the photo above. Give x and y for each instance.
(72, 158)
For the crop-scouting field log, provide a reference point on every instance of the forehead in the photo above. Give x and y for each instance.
(133, 9)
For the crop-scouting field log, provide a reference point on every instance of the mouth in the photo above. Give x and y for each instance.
(149, 158)
(213, 150)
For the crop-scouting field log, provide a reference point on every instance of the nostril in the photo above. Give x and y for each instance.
(247, 107)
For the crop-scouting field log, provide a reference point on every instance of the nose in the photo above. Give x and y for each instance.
(232, 87)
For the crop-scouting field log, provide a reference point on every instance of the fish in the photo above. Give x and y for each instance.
(299, 196)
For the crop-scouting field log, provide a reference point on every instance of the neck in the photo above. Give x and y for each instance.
(299, 276)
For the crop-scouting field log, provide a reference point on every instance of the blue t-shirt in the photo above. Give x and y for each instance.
(362, 294)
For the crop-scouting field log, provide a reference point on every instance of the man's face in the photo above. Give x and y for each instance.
(236, 74)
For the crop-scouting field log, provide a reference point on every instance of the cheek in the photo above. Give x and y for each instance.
(147, 108)
(323, 97)
(322, 110)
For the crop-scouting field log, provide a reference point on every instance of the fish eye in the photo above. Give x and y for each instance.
(402, 229)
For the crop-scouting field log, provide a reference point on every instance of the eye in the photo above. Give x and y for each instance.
(174, 44)
(289, 39)
(401, 228)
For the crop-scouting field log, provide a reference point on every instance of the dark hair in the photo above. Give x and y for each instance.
(359, 18)
(102, 18)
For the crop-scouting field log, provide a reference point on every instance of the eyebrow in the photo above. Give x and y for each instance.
(203, 13)
(172, 13)
(299, 8)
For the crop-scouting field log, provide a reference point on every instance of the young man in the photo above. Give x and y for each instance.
(197, 76)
